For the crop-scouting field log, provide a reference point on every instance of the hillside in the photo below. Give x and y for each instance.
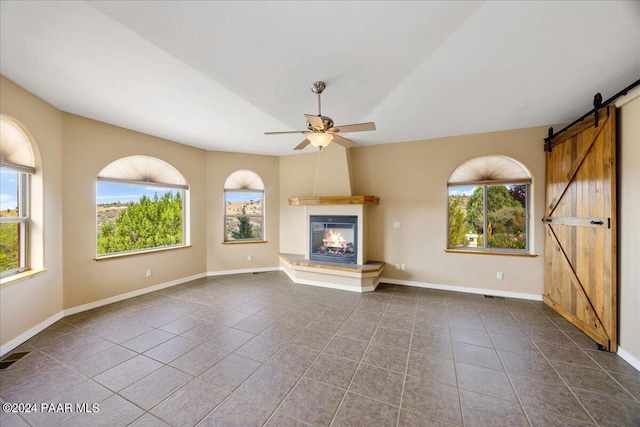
(251, 208)
(109, 212)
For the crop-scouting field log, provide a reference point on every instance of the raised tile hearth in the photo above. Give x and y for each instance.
(350, 277)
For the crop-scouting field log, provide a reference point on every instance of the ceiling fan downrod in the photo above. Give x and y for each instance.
(318, 87)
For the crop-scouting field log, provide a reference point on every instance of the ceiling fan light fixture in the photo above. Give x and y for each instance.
(320, 139)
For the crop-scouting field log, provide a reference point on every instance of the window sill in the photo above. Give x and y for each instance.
(244, 242)
(25, 275)
(471, 252)
(143, 252)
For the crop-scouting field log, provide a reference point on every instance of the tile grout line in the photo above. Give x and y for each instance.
(455, 365)
(554, 368)
(562, 378)
(406, 366)
(302, 376)
(507, 374)
(116, 393)
(362, 358)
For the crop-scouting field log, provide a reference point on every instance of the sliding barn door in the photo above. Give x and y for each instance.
(580, 227)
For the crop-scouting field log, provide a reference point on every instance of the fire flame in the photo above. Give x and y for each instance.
(332, 239)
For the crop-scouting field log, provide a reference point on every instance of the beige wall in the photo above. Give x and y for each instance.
(223, 258)
(334, 166)
(25, 305)
(89, 146)
(411, 181)
(629, 227)
(297, 174)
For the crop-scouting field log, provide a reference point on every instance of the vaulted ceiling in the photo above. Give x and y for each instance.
(218, 74)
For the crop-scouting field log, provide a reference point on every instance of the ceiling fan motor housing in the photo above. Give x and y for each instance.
(318, 87)
(327, 123)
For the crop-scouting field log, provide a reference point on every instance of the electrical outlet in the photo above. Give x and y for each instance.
(402, 267)
(397, 266)
(149, 272)
(249, 258)
(499, 275)
(396, 224)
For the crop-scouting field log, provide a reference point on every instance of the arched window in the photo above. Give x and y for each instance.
(17, 164)
(140, 205)
(243, 207)
(488, 205)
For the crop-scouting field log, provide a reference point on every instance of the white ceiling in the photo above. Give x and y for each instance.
(216, 75)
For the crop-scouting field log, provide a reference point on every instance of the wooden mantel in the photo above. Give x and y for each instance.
(334, 200)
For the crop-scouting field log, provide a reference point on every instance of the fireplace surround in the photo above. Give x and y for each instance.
(333, 238)
(357, 274)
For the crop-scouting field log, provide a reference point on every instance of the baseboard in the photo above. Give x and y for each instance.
(629, 358)
(122, 297)
(20, 339)
(492, 292)
(242, 271)
(74, 310)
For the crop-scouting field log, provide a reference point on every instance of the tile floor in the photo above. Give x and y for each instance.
(256, 349)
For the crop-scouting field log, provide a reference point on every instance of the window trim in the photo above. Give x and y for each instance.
(182, 187)
(23, 219)
(247, 181)
(486, 171)
(486, 250)
(261, 216)
(475, 252)
(140, 252)
(143, 183)
(154, 248)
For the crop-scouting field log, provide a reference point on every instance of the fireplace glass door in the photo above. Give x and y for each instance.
(334, 238)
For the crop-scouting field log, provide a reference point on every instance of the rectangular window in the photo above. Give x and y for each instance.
(14, 221)
(136, 217)
(244, 215)
(488, 217)
(507, 217)
(465, 229)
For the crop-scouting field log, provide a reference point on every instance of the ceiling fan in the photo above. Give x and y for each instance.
(320, 129)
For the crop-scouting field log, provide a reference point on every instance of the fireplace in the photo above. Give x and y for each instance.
(333, 238)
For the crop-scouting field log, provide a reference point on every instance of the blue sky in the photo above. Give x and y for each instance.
(467, 190)
(109, 192)
(8, 190)
(243, 196)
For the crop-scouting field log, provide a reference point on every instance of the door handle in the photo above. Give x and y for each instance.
(597, 222)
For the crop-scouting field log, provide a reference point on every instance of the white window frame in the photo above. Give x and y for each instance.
(484, 172)
(244, 181)
(485, 216)
(261, 216)
(22, 219)
(176, 183)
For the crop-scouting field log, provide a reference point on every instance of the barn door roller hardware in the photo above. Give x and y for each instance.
(597, 105)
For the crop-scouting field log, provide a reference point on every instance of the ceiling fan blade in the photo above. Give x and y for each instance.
(346, 143)
(302, 144)
(358, 127)
(285, 132)
(315, 121)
